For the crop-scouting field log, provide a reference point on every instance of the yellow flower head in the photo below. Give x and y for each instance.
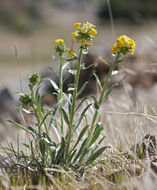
(115, 49)
(77, 25)
(59, 41)
(124, 44)
(90, 45)
(82, 42)
(61, 47)
(70, 52)
(74, 35)
(93, 32)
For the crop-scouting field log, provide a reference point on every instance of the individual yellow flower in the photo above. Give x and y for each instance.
(77, 25)
(70, 52)
(90, 45)
(124, 44)
(115, 49)
(59, 41)
(93, 32)
(74, 35)
(82, 42)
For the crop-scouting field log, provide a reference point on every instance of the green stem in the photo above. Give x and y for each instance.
(61, 91)
(74, 102)
(103, 93)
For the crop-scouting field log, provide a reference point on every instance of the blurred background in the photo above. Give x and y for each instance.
(28, 29)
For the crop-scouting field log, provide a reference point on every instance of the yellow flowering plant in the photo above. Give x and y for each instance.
(78, 146)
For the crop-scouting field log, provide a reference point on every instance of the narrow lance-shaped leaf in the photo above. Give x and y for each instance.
(80, 151)
(96, 154)
(96, 104)
(53, 83)
(82, 116)
(45, 116)
(80, 136)
(60, 154)
(65, 116)
(110, 90)
(18, 125)
(80, 104)
(95, 135)
(98, 81)
(72, 155)
(82, 88)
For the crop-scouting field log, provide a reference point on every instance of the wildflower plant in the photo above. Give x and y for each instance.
(67, 153)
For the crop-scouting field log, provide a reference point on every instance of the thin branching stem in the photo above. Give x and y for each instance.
(74, 101)
(101, 98)
(61, 91)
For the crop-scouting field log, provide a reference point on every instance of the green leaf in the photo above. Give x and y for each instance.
(72, 71)
(42, 147)
(65, 116)
(37, 91)
(96, 154)
(53, 123)
(60, 155)
(80, 150)
(96, 134)
(80, 136)
(65, 65)
(47, 140)
(11, 150)
(18, 125)
(26, 145)
(53, 83)
(71, 87)
(96, 104)
(100, 141)
(69, 102)
(81, 117)
(32, 149)
(80, 104)
(24, 110)
(46, 115)
(98, 81)
(105, 62)
(33, 131)
(110, 90)
(82, 88)
(55, 109)
(72, 155)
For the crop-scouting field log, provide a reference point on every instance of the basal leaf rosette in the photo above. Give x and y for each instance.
(124, 45)
(84, 34)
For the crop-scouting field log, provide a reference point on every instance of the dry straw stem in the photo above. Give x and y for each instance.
(149, 117)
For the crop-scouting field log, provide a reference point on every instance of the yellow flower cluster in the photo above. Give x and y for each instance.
(84, 33)
(61, 47)
(124, 44)
(59, 41)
